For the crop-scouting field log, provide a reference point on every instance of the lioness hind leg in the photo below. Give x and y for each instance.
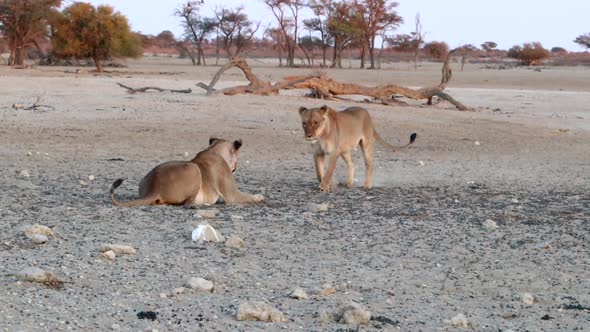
(367, 147)
(348, 160)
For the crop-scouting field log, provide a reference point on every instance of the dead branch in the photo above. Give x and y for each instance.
(34, 107)
(145, 89)
(327, 88)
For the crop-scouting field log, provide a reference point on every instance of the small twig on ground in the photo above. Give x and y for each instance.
(145, 89)
(34, 107)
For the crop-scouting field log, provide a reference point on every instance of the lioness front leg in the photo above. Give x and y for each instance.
(318, 160)
(327, 179)
(231, 195)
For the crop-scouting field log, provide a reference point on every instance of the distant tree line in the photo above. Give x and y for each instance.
(79, 31)
(332, 30)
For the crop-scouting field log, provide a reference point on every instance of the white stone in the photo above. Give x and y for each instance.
(489, 224)
(459, 321)
(108, 255)
(259, 312)
(118, 249)
(299, 294)
(234, 242)
(353, 313)
(186, 154)
(206, 233)
(421, 163)
(210, 214)
(313, 207)
(514, 200)
(24, 173)
(527, 298)
(476, 143)
(39, 238)
(91, 177)
(29, 153)
(200, 284)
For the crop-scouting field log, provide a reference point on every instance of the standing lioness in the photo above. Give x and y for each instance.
(201, 180)
(336, 134)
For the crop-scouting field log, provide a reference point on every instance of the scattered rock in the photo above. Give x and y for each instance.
(24, 173)
(313, 207)
(235, 218)
(34, 274)
(459, 321)
(163, 295)
(476, 143)
(546, 317)
(206, 233)
(543, 245)
(38, 238)
(421, 163)
(259, 312)
(37, 229)
(185, 154)
(29, 153)
(234, 242)
(83, 183)
(179, 290)
(327, 291)
(200, 284)
(209, 214)
(108, 255)
(115, 326)
(91, 177)
(514, 200)
(118, 249)
(353, 313)
(299, 294)
(489, 224)
(147, 315)
(527, 298)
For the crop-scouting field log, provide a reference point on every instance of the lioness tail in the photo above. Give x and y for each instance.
(392, 147)
(137, 202)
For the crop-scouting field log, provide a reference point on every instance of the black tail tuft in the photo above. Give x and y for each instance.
(116, 185)
(413, 137)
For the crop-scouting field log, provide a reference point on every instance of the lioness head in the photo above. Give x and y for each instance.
(226, 149)
(314, 121)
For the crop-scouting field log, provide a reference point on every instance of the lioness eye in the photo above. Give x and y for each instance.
(304, 124)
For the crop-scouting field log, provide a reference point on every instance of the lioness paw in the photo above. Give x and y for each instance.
(325, 187)
(258, 198)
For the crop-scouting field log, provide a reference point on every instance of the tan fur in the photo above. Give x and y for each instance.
(336, 134)
(202, 180)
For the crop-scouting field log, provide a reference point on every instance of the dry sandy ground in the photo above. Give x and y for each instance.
(413, 250)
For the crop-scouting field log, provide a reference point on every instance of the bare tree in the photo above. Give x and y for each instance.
(236, 31)
(583, 40)
(319, 24)
(417, 39)
(344, 27)
(377, 16)
(287, 14)
(277, 38)
(196, 27)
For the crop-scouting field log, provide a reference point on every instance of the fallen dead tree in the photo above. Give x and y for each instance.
(327, 88)
(146, 88)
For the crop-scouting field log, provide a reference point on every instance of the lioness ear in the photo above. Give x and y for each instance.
(237, 144)
(302, 110)
(212, 140)
(324, 109)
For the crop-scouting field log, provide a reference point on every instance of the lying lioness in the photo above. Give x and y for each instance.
(336, 134)
(202, 180)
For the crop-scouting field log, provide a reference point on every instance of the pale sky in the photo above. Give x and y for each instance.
(457, 22)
